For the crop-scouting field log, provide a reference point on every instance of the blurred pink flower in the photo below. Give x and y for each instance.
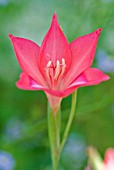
(109, 160)
(57, 67)
(88, 168)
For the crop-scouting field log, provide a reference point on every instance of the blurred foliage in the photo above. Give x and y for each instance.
(23, 118)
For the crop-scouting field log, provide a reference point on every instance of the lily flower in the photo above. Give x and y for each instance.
(57, 67)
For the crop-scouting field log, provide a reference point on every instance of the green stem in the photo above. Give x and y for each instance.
(54, 131)
(74, 99)
(54, 135)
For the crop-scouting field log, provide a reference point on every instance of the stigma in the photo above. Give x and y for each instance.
(55, 72)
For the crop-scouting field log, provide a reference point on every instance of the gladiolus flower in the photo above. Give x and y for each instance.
(57, 67)
(109, 160)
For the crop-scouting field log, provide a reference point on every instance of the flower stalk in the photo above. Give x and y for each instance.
(54, 123)
(71, 116)
(54, 135)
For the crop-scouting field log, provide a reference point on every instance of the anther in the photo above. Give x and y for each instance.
(49, 64)
(48, 68)
(57, 70)
(63, 67)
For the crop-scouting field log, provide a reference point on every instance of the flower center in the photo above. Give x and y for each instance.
(55, 72)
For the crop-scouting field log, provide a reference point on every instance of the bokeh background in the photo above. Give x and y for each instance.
(24, 141)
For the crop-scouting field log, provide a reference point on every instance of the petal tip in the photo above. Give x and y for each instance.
(55, 14)
(107, 77)
(98, 31)
(11, 36)
(55, 18)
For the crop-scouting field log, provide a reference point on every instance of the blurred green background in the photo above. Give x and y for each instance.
(24, 141)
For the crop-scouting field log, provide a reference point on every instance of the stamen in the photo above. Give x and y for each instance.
(57, 70)
(63, 67)
(54, 72)
(48, 68)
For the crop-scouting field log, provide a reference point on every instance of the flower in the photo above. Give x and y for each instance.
(109, 159)
(57, 67)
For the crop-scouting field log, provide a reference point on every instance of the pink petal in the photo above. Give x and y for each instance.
(109, 159)
(83, 50)
(26, 83)
(27, 53)
(54, 47)
(109, 156)
(92, 76)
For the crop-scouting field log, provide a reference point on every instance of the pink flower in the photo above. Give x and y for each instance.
(109, 160)
(57, 67)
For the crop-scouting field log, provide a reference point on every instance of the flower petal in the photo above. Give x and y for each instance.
(27, 53)
(54, 47)
(109, 159)
(83, 51)
(92, 76)
(109, 156)
(26, 83)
